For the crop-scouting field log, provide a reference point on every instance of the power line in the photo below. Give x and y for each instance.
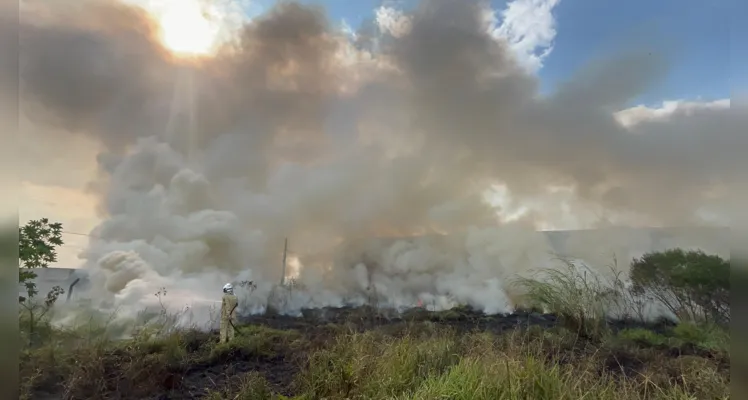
(84, 247)
(79, 234)
(78, 245)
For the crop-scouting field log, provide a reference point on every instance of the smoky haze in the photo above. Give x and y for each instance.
(293, 130)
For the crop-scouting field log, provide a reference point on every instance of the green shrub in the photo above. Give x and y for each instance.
(644, 336)
(708, 337)
(693, 285)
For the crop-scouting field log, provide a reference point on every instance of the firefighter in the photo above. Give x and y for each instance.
(228, 306)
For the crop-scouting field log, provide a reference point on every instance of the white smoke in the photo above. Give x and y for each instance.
(298, 133)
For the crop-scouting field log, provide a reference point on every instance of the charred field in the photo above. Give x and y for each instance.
(461, 320)
(367, 353)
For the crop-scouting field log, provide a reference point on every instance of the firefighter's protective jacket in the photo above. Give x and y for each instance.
(228, 307)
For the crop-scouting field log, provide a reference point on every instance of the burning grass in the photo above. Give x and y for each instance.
(574, 352)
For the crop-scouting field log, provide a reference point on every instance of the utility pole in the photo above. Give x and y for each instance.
(285, 251)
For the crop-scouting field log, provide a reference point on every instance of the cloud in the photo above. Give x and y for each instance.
(530, 28)
(392, 21)
(293, 131)
(348, 29)
(668, 111)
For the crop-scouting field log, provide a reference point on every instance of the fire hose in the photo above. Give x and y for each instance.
(248, 284)
(231, 319)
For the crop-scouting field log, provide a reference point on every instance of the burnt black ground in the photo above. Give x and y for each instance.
(462, 320)
(317, 327)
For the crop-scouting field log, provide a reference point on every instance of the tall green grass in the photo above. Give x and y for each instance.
(580, 297)
(482, 366)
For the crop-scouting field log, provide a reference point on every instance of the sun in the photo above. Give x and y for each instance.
(186, 29)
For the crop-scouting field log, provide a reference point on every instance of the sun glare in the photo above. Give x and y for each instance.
(185, 28)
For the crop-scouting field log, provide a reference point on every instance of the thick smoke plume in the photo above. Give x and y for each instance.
(293, 130)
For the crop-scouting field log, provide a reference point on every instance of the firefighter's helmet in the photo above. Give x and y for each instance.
(228, 288)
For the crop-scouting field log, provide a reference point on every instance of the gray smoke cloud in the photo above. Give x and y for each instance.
(294, 131)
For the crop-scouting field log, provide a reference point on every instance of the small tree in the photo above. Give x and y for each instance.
(37, 248)
(692, 284)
